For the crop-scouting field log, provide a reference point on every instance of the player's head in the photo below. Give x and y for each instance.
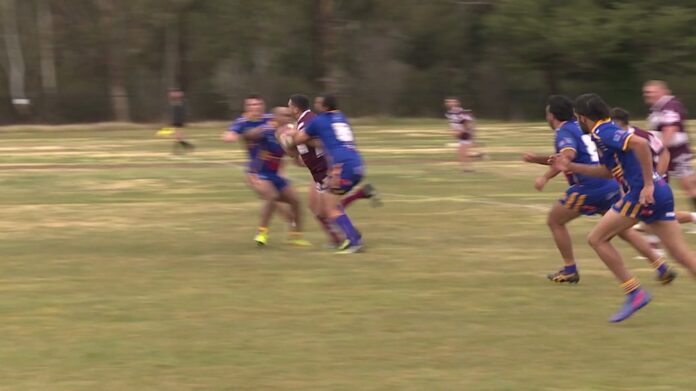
(653, 90)
(559, 109)
(451, 102)
(282, 115)
(590, 109)
(298, 104)
(319, 104)
(328, 103)
(254, 106)
(620, 117)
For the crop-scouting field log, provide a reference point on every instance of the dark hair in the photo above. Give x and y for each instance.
(561, 107)
(300, 101)
(592, 106)
(619, 114)
(329, 102)
(253, 96)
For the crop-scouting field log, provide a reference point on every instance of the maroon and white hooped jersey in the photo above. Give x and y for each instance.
(669, 111)
(312, 157)
(458, 117)
(656, 146)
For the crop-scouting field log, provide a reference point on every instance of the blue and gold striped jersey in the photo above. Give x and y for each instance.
(570, 137)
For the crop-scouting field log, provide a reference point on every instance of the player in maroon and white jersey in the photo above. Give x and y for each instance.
(661, 158)
(312, 156)
(461, 123)
(668, 120)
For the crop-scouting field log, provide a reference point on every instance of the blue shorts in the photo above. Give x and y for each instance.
(345, 176)
(662, 209)
(278, 181)
(590, 200)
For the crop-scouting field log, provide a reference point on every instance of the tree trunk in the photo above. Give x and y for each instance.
(15, 56)
(115, 61)
(326, 44)
(47, 58)
(171, 60)
(551, 80)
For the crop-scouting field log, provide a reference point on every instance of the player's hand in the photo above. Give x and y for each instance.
(528, 157)
(540, 182)
(559, 162)
(646, 195)
(230, 137)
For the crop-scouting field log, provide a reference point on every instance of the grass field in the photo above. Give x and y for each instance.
(124, 268)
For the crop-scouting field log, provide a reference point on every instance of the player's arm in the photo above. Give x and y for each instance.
(641, 149)
(537, 159)
(566, 154)
(662, 162)
(230, 136)
(562, 163)
(667, 134)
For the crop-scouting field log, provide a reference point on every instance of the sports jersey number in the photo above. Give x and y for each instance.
(302, 149)
(591, 147)
(343, 132)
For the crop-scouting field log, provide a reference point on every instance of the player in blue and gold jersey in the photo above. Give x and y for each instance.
(645, 197)
(586, 195)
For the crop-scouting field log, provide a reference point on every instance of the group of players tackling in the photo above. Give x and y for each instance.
(321, 142)
(621, 173)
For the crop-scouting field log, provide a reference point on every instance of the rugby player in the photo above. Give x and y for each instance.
(257, 131)
(585, 196)
(345, 166)
(668, 120)
(646, 197)
(462, 127)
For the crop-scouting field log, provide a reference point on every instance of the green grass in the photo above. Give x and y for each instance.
(124, 268)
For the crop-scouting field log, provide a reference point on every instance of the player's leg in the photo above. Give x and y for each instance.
(463, 153)
(673, 239)
(665, 273)
(367, 191)
(611, 224)
(558, 217)
(316, 205)
(267, 192)
(289, 196)
(343, 177)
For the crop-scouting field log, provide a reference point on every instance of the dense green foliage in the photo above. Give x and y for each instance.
(395, 57)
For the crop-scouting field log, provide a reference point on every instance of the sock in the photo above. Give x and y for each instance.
(660, 265)
(329, 229)
(347, 226)
(570, 269)
(263, 230)
(353, 197)
(631, 286)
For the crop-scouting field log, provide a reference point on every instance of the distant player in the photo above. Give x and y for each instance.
(668, 120)
(646, 197)
(177, 105)
(585, 196)
(461, 123)
(345, 165)
(257, 131)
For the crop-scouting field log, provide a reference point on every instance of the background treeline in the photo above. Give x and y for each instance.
(103, 60)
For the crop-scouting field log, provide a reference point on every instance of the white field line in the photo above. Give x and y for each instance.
(462, 199)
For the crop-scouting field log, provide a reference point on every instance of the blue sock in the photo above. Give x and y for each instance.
(347, 227)
(662, 268)
(570, 269)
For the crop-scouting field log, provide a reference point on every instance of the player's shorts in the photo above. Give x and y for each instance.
(344, 177)
(590, 200)
(662, 209)
(278, 181)
(680, 162)
(465, 138)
